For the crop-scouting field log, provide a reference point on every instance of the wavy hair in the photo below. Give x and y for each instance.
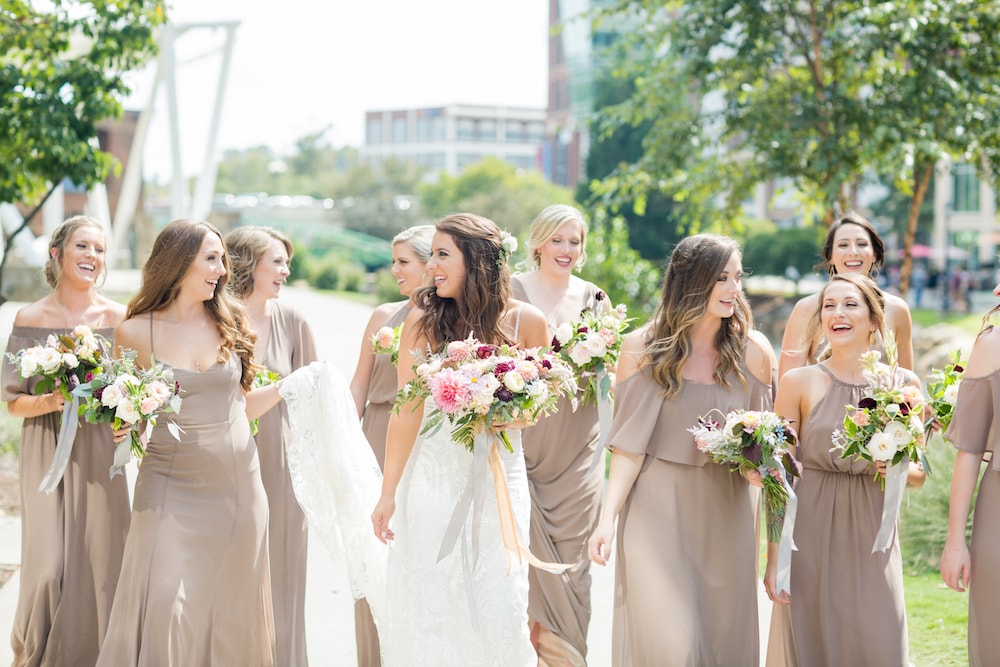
(692, 273)
(246, 247)
(852, 218)
(485, 292)
(871, 294)
(60, 237)
(545, 226)
(173, 252)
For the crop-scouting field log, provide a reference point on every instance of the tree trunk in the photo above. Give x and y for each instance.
(921, 179)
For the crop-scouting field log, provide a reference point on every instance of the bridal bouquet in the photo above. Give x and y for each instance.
(63, 362)
(475, 385)
(886, 424)
(122, 393)
(386, 341)
(942, 388)
(592, 345)
(754, 440)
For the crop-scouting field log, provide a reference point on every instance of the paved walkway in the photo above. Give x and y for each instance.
(338, 326)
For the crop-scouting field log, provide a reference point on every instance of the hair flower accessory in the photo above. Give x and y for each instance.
(508, 246)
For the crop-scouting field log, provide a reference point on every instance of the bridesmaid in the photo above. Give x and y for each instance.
(852, 246)
(845, 606)
(685, 584)
(72, 539)
(260, 259)
(558, 450)
(195, 585)
(974, 431)
(374, 387)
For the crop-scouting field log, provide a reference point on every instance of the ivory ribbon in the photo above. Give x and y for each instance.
(485, 453)
(787, 544)
(604, 413)
(895, 482)
(64, 445)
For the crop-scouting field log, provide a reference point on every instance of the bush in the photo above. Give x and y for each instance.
(337, 273)
(386, 289)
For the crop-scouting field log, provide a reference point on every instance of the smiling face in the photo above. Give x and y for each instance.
(202, 276)
(446, 266)
(844, 314)
(561, 253)
(407, 268)
(271, 271)
(82, 257)
(722, 299)
(852, 250)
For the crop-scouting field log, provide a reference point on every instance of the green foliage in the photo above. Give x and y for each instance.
(820, 93)
(769, 253)
(62, 71)
(337, 272)
(616, 268)
(10, 433)
(937, 620)
(386, 287)
(298, 269)
(495, 189)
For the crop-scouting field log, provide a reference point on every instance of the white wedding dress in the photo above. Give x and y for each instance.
(432, 609)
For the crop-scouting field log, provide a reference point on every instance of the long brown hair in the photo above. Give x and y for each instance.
(693, 271)
(873, 297)
(485, 292)
(173, 252)
(852, 218)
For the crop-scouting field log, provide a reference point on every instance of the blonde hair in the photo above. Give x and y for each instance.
(547, 223)
(870, 293)
(174, 250)
(692, 273)
(246, 247)
(419, 237)
(60, 237)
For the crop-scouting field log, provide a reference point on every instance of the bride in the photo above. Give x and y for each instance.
(451, 595)
(463, 608)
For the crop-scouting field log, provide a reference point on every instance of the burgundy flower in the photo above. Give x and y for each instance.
(88, 377)
(503, 367)
(600, 296)
(867, 403)
(98, 393)
(546, 364)
(959, 368)
(582, 330)
(904, 409)
(485, 351)
(555, 344)
(504, 394)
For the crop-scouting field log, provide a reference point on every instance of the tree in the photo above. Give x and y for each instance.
(738, 92)
(62, 71)
(496, 189)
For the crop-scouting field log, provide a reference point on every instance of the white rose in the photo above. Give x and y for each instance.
(513, 381)
(50, 360)
(29, 363)
(82, 331)
(880, 447)
(127, 412)
(898, 434)
(597, 344)
(564, 332)
(486, 384)
(580, 353)
(111, 396)
(70, 361)
(159, 390)
(892, 409)
(951, 393)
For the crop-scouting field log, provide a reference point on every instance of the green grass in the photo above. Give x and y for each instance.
(10, 433)
(925, 317)
(356, 297)
(937, 620)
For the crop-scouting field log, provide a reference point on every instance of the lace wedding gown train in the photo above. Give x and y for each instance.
(467, 606)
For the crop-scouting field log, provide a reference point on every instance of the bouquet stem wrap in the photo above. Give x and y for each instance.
(604, 414)
(485, 454)
(787, 544)
(64, 445)
(895, 483)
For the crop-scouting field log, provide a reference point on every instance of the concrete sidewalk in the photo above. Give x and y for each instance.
(337, 326)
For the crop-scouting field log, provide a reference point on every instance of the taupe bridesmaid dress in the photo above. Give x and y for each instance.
(846, 602)
(289, 346)
(565, 508)
(975, 428)
(72, 540)
(375, 425)
(195, 588)
(685, 561)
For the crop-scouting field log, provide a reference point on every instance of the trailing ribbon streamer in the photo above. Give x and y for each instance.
(485, 450)
(604, 414)
(64, 445)
(895, 482)
(787, 544)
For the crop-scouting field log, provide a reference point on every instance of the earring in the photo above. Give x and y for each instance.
(871, 339)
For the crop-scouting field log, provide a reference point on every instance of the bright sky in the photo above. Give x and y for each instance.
(300, 66)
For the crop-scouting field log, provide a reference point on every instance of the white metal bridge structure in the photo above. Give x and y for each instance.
(182, 202)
